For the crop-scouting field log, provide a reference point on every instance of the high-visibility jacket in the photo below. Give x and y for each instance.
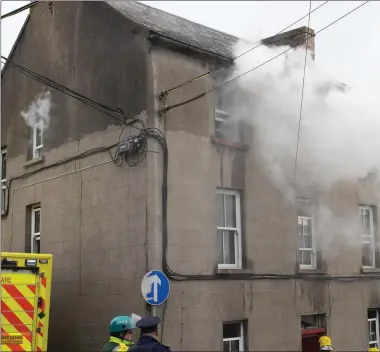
(117, 345)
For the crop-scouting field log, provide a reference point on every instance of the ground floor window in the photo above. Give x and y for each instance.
(233, 336)
(373, 328)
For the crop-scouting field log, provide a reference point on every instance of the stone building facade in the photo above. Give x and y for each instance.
(103, 223)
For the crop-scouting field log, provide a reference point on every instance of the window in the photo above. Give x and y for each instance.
(38, 139)
(373, 328)
(313, 321)
(367, 235)
(225, 126)
(36, 229)
(233, 337)
(3, 178)
(229, 229)
(307, 251)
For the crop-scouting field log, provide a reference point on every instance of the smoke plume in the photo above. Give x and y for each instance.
(339, 134)
(38, 110)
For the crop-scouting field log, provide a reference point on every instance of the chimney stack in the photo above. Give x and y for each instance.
(294, 38)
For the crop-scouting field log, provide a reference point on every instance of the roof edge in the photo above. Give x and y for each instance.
(15, 44)
(186, 19)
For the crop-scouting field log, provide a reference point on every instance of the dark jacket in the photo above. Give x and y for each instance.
(148, 343)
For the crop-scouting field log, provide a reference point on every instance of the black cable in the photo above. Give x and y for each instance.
(167, 108)
(83, 155)
(300, 114)
(165, 92)
(22, 8)
(92, 103)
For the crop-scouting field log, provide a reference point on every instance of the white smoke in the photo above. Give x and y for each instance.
(38, 110)
(339, 135)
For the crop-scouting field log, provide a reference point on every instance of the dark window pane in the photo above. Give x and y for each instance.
(231, 330)
(226, 346)
(230, 203)
(38, 136)
(36, 245)
(229, 247)
(305, 257)
(220, 246)
(220, 209)
(372, 314)
(365, 217)
(307, 241)
(3, 166)
(37, 216)
(234, 346)
(367, 254)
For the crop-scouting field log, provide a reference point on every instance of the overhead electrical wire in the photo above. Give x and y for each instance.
(165, 92)
(301, 106)
(167, 108)
(112, 112)
(275, 41)
(20, 9)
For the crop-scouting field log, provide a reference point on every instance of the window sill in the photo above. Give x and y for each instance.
(370, 270)
(229, 144)
(223, 271)
(35, 161)
(311, 271)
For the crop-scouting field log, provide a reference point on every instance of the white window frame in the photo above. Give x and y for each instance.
(312, 249)
(240, 338)
(3, 179)
(377, 320)
(237, 230)
(368, 239)
(38, 149)
(35, 236)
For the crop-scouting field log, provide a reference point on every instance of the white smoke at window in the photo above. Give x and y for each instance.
(38, 110)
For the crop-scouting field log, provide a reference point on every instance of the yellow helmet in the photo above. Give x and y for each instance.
(325, 341)
(373, 349)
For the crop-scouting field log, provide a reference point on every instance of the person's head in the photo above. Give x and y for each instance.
(324, 341)
(121, 327)
(149, 326)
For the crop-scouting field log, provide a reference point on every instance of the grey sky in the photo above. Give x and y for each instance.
(349, 48)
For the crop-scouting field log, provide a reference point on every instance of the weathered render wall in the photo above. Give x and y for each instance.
(93, 213)
(272, 308)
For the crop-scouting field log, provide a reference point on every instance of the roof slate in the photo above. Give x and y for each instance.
(177, 28)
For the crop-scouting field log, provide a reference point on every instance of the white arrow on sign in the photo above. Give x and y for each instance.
(147, 284)
(156, 281)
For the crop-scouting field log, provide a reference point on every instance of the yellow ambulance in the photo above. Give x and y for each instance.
(25, 301)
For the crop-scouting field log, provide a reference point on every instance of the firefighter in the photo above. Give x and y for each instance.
(148, 341)
(121, 329)
(325, 344)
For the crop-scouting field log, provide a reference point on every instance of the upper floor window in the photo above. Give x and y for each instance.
(233, 337)
(36, 229)
(38, 139)
(367, 235)
(229, 229)
(306, 237)
(3, 178)
(373, 328)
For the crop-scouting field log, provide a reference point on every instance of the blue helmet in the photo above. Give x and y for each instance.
(121, 323)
